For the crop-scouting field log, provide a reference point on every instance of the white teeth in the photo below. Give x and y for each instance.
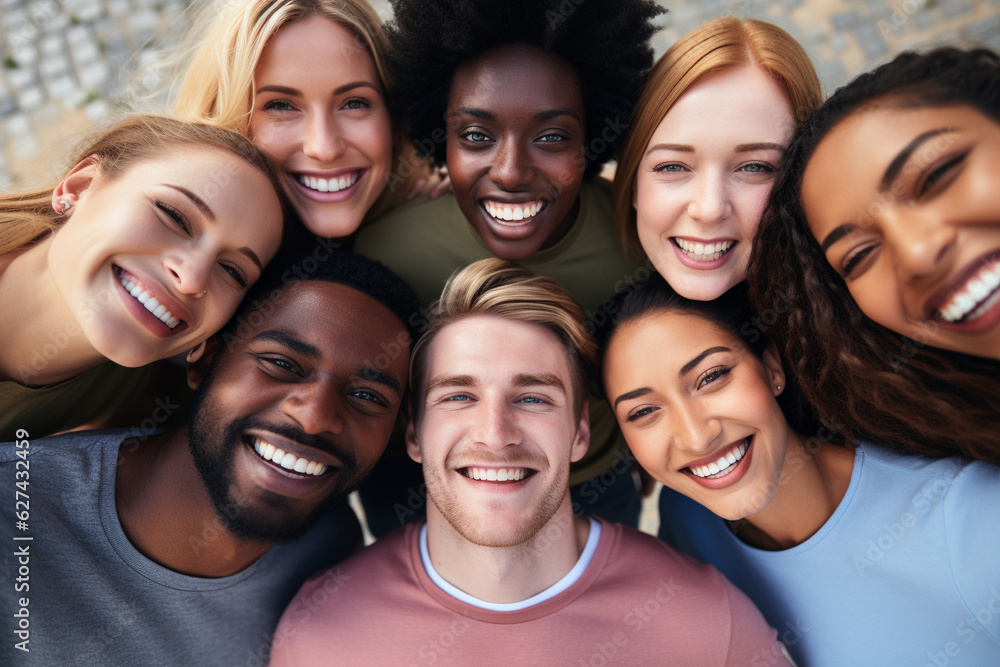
(328, 185)
(143, 296)
(497, 474)
(704, 252)
(725, 463)
(512, 212)
(973, 299)
(287, 460)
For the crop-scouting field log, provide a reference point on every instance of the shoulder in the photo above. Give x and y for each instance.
(64, 450)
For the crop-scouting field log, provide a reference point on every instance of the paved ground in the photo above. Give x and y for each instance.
(67, 64)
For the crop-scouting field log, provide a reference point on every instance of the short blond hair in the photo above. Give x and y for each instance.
(500, 288)
(719, 44)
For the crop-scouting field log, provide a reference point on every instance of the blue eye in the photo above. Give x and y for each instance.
(669, 167)
(756, 168)
(278, 105)
(357, 103)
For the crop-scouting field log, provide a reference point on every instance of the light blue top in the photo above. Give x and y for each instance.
(905, 572)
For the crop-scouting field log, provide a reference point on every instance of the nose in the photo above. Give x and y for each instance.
(920, 243)
(511, 167)
(322, 138)
(189, 271)
(694, 428)
(496, 425)
(710, 200)
(316, 405)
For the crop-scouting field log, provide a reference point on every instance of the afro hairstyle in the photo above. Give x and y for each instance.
(605, 41)
(371, 278)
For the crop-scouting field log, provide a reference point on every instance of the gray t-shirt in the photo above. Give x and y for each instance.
(81, 594)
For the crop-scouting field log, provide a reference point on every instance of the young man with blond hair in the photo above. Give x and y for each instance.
(502, 572)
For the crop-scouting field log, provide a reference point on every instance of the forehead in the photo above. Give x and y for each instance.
(516, 77)
(670, 337)
(493, 349)
(737, 105)
(343, 324)
(342, 53)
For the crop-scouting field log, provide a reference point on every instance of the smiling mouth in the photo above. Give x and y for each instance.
(978, 295)
(142, 294)
(287, 460)
(497, 474)
(725, 463)
(703, 252)
(328, 184)
(503, 212)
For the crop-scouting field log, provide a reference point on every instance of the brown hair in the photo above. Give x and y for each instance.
(500, 288)
(861, 376)
(26, 217)
(720, 44)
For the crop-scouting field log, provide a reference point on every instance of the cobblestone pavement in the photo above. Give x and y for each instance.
(68, 64)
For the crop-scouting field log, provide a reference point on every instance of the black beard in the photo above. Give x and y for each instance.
(214, 444)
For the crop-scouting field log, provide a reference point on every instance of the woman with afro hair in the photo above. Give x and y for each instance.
(524, 101)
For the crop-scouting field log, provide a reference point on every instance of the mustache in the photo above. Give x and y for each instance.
(239, 427)
(517, 458)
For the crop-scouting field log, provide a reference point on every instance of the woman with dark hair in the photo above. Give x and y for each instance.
(880, 255)
(859, 556)
(525, 101)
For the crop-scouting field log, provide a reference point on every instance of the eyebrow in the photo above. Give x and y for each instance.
(340, 90)
(741, 148)
(451, 381)
(635, 393)
(836, 235)
(548, 114)
(375, 375)
(538, 379)
(892, 171)
(697, 360)
(290, 341)
(195, 199)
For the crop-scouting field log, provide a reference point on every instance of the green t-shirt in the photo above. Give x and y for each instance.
(90, 397)
(425, 242)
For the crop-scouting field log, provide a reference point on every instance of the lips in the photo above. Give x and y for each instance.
(333, 184)
(723, 465)
(703, 252)
(505, 212)
(153, 300)
(287, 460)
(974, 292)
(496, 474)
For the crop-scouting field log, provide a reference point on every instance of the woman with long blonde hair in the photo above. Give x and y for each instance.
(306, 81)
(141, 252)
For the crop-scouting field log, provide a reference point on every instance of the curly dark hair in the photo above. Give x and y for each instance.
(865, 378)
(605, 41)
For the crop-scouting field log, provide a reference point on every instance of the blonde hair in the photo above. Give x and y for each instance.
(719, 44)
(27, 217)
(501, 288)
(217, 86)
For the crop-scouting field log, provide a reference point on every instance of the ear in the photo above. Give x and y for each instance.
(199, 358)
(772, 362)
(582, 440)
(72, 188)
(412, 446)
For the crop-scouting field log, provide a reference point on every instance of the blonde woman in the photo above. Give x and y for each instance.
(306, 81)
(707, 137)
(142, 251)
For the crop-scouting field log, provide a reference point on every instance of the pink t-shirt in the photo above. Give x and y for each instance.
(637, 603)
